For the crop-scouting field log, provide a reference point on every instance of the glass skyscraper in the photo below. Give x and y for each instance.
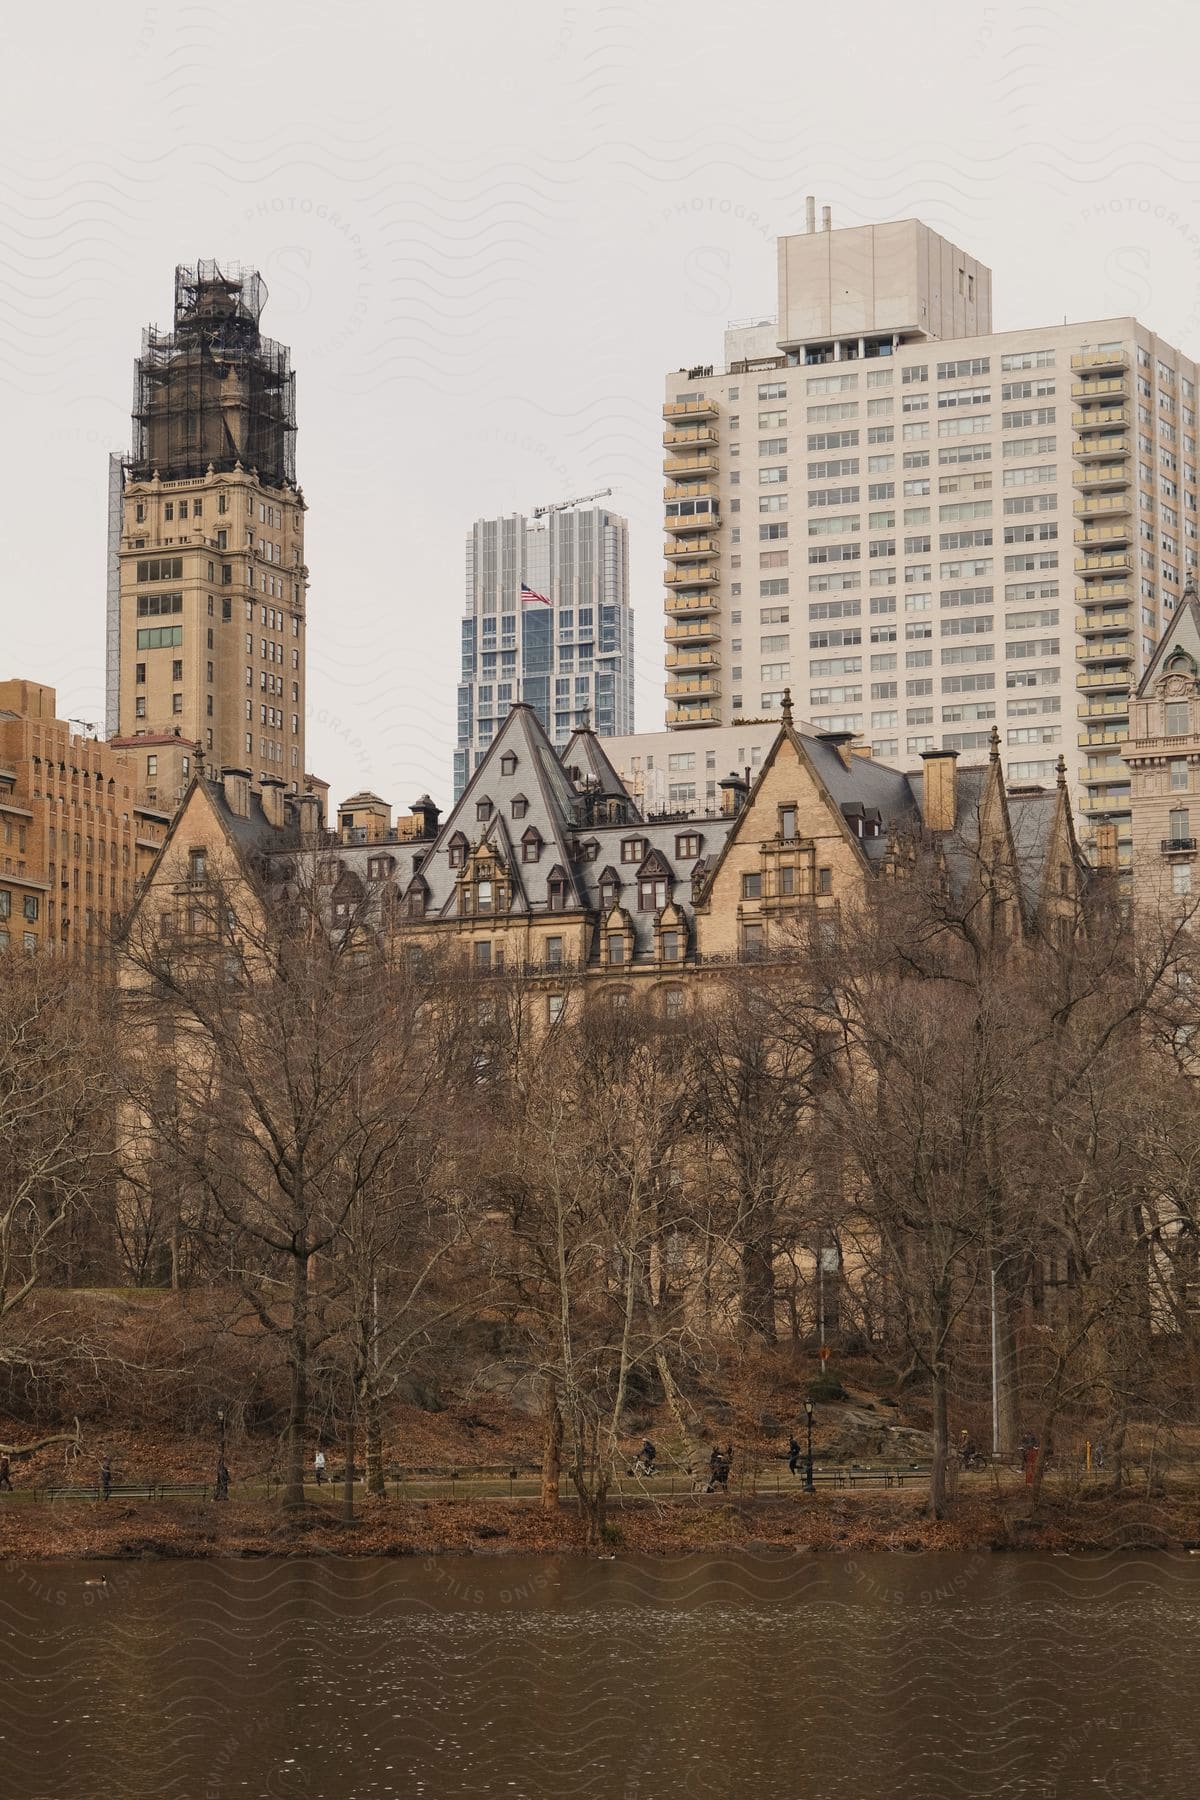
(547, 622)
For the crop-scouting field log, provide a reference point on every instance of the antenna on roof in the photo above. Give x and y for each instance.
(87, 726)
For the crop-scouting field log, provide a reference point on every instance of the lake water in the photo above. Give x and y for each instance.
(832, 1678)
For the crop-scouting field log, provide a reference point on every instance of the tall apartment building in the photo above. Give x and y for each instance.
(76, 835)
(207, 579)
(926, 527)
(548, 622)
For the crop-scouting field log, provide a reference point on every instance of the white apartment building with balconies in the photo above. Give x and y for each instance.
(924, 527)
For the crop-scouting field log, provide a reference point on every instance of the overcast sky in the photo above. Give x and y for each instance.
(488, 231)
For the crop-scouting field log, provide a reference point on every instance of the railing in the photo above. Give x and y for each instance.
(1170, 844)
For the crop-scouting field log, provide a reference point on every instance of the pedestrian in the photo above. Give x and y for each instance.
(222, 1488)
(646, 1456)
(5, 1478)
(1029, 1456)
(319, 1466)
(794, 1456)
(106, 1478)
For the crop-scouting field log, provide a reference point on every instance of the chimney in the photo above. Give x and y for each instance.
(273, 800)
(426, 815)
(308, 814)
(236, 786)
(733, 795)
(1106, 848)
(841, 742)
(810, 212)
(826, 219)
(939, 789)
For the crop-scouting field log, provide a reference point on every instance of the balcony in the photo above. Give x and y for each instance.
(1117, 388)
(1114, 562)
(707, 492)
(1092, 623)
(693, 659)
(1177, 846)
(1108, 770)
(694, 575)
(1103, 650)
(694, 550)
(1102, 418)
(1095, 506)
(1117, 708)
(693, 687)
(1095, 739)
(1095, 449)
(696, 631)
(1099, 806)
(1106, 534)
(1100, 591)
(1115, 677)
(692, 715)
(690, 435)
(690, 409)
(690, 603)
(684, 467)
(1093, 361)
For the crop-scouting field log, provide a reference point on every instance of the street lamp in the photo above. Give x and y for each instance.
(808, 1472)
(221, 1423)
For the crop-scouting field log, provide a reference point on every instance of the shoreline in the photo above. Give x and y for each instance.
(123, 1531)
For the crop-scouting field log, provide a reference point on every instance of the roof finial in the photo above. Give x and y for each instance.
(1060, 769)
(994, 745)
(787, 707)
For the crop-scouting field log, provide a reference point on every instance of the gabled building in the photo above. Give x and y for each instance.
(1163, 754)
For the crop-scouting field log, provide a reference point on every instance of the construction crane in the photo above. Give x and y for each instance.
(539, 512)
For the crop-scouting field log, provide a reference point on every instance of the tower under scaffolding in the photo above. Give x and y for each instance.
(213, 390)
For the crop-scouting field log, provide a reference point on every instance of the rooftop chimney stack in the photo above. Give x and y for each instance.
(939, 789)
(810, 212)
(826, 218)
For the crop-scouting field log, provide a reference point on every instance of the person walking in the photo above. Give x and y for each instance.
(793, 1456)
(319, 1466)
(5, 1478)
(106, 1478)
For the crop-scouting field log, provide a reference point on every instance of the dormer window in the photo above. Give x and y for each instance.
(508, 763)
(531, 846)
(379, 867)
(687, 846)
(652, 893)
(558, 891)
(633, 850)
(520, 807)
(610, 887)
(484, 894)
(483, 810)
(458, 851)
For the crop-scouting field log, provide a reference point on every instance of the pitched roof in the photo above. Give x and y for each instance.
(586, 753)
(1182, 633)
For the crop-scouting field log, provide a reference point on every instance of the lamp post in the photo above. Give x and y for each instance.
(808, 1469)
(221, 1423)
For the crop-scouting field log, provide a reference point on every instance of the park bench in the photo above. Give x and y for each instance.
(183, 1490)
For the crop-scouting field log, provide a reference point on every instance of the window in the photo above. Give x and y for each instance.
(752, 941)
(787, 822)
(159, 637)
(616, 947)
(554, 1008)
(752, 887)
(1180, 826)
(1177, 718)
(29, 907)
(632, 850)
(687, 846)
(554, 952)
(1179, 775)
(1181, 879)
(483, 956)
(652, 893)
(824, 881)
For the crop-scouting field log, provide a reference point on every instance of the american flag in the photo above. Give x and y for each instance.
(530, 597)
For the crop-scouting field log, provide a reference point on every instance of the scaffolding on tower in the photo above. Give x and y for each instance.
(213, 391)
